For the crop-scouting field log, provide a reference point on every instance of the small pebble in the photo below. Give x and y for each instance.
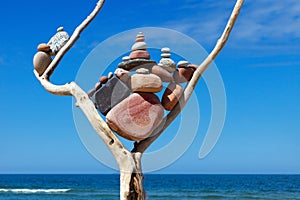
(43, 47)
(110, 75)
(182, 63)
(103, 79)
(165, 55)
(165, 50)
(60, 29)
(139, 46)
(126, 58)
(142, 71)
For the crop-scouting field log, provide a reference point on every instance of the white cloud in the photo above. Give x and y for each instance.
(264, 22)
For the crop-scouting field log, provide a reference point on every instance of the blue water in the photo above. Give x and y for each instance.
(67, 187)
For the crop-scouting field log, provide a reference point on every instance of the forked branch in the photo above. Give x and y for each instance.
(75, 36)
(121, 154)
(143, 145)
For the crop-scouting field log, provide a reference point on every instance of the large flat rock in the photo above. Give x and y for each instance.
(136, 117)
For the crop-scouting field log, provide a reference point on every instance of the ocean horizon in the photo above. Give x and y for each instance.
(158, 186)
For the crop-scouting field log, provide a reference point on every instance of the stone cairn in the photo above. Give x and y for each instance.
(42, 58)
(127, 98)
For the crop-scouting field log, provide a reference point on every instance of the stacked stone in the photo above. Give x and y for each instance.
(139, 114)
(128, 99)
(139, 57)
(108, 92)
(42, 58)
(182, 74)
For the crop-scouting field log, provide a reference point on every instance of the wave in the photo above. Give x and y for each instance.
(33, 191)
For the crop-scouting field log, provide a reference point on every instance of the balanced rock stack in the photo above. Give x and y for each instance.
(129, 99)
(139, 57)
(139, 114)
(42, 58)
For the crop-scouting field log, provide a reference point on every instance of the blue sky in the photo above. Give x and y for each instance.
(260, 67)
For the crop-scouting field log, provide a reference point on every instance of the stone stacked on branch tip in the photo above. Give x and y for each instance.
(185, 72)
(42, 58)
(41, 61)
(58, 40)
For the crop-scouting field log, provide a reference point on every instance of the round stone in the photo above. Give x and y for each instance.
(139, 54)
(60, 29)
(103, 79)
(168, 64)
(183, 74)
(142, 71)
(140, 34)
(110, 75)
(43, 47)
(165, 50)
(165, 55)
(163, 74)
(41, 61)
(98, 85)
(140, 39)
(139, 46)
(182, 63)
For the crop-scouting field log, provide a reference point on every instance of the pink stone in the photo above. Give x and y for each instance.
(140, 39)
(164, 75)
(146, 83)
(136, 117)
(171, 96)
(139, 54)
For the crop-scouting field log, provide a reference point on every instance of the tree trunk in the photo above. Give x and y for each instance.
(131, 180)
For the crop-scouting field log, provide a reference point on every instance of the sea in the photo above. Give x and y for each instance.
(158, 187)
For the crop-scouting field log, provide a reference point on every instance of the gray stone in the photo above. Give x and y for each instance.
(165, 55)
(58, 41)
(110, 94)
(139, 46)
(166, 50)
(131, 64)
(142, 71)
(168, 64)
(183, 63)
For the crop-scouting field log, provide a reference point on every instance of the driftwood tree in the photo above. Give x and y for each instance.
(129, 162)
